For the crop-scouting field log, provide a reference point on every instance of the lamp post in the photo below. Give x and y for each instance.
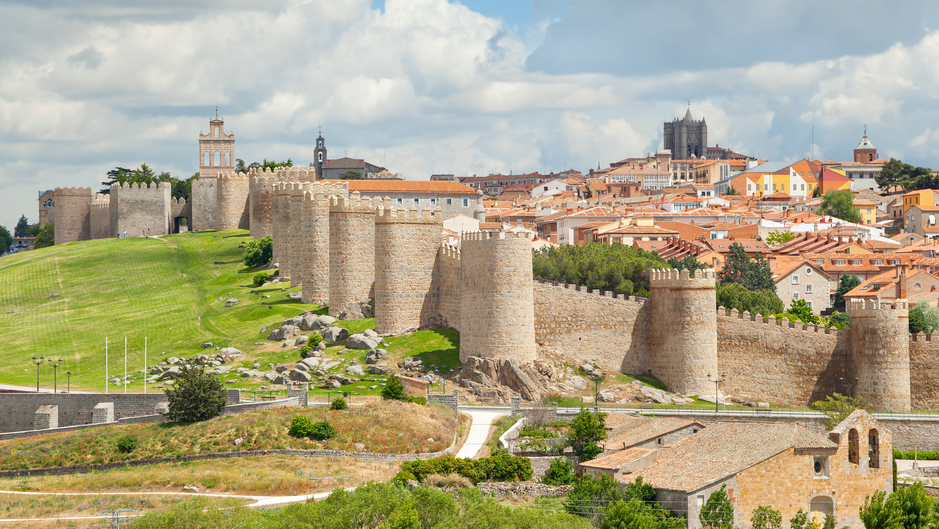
(68, 381)
(38, 361)
(596, 388)
(55, 369)
(848, 384)
(716, 381)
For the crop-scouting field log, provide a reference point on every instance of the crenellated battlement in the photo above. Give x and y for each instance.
(101, 198)
(413, 215)
(488, 235)
(72, 192)
(782, 322)
(233, 176)
(450, 252)
(600, 293)
(135, 186)
(354, 203)
(682, 279)
(862, 308)
(203, 182)
(179, 201)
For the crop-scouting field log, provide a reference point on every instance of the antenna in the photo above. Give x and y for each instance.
(216, 108)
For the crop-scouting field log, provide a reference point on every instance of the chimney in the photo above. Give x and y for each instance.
(901, 283)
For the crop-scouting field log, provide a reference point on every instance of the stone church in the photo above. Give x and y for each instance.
(686, 138)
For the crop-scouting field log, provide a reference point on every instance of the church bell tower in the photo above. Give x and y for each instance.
(319, 155)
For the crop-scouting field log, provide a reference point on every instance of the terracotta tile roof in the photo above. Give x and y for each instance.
(615, 460)
(344, 163)
(632, 430)
(723, 449)
(410, 186)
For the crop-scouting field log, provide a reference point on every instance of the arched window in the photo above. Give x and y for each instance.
(218, 159)
(205, 159)
(853, 442)
(873, 449)
(822, 505)
(870, 157)
(227, 159)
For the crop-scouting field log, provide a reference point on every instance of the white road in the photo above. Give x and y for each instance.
(479, 429)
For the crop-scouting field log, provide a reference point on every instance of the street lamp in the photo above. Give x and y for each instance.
(55, 368)
(716, 382)
(68, 381)
(848, 384)
(38, 361)
(596, 387)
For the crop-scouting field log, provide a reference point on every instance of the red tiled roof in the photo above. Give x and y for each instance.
(409, 186)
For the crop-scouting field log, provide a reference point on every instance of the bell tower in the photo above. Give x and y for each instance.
(216, 149)
(319, 155)
(865, 152)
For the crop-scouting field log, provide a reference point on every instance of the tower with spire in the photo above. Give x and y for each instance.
(686, 138)
(319, 155)
(865, 152)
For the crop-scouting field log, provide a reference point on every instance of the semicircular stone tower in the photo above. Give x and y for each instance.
(351, 251)
(683, 345)
(313, 238)
(498, 297)
(406, 245)
(261, 202)
(880, 350)
(280, 232)
(231, 202)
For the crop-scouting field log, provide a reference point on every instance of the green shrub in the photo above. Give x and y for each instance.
(800, 520)
(322, 431)
(338, 404)
(718, 511)
(923, 455)
(393, 390)
(765, 517)
(587, 429)
(260, 278)
(259, 252)
(404, 476)
(127, 443)
(615, 267)
(538, 433)
(501, 467)
(196, 396)
(417, 400)
(561, 472)
(313, 341)
(595, 492)
(301, 426)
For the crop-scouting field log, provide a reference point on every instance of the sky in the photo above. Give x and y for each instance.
(438, 86)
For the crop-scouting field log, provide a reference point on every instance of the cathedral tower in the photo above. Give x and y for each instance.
(686, 138)
(319, 154)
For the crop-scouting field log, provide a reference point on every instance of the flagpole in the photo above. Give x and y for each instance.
(105, 365)
(145, 365)
(125, 365)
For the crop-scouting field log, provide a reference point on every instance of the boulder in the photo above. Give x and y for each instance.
(169, 374)
(322, 322)
(334, 334)
(206, 345)
(608, 395)
(281, 368)
(219, 370)
(578, 383)
(231, 352)
(310, 362)
(361, 341)
(306, 321)
(282, 333)
(295, 321)
(355, 370)
(370, 333)
(374, 355)
(156, 370)
(322, 346)
(299, 376)
(302, 367)
(331, 384)
(376, 370)
(231, 302)
(353, 311)
(302, 339)
(656, 395)
(172, 361)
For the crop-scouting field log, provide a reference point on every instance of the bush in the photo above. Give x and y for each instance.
(614, 267)
(924, 455)
(313, 341)
(538, 433)
(587, 429)
(196, 396)
(448, 482)
(736, 296)
(260, 278)
(800, 520)
(501, 467)
(766, 518)
(561, 472)
(301, 426)
(338, 404)
(595, 493)
(393, 390)
(126, 444)
(403, 476)
(259, 252)
(322, 431)
(417, 400)
(717, 511)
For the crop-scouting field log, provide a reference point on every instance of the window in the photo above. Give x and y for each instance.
(808, 271)
(808, 288)
(465, 202)
(809, 303)
(839, 262)
(400, 201)
(853, 442)
(820, 466)
(873, 449)
(879, 262)
(433, 202)
(795, 279)
(417, 202)
(855, 262)
(795, 295)
(449, 201)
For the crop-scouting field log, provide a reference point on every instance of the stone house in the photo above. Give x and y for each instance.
(451, 197)
(781, 465)
(632, 442)
(802, 279)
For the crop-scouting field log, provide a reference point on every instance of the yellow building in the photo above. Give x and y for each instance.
(868, 211)
(920, 197)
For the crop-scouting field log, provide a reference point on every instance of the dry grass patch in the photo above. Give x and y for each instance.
(251, 476)
(384, 427)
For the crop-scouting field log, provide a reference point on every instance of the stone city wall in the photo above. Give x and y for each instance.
(297, 242)
(497, 297)
(140, 210)
(924, 377)
(100, 216)
(280, 232)
(351, 251)
(261, 203)
(73, 214)
(448, 279)
(231, 202)
(203, 200)
(18, 409)
(406, 245)
(585, 325)
(314, 256)
(880, 344)
(180, 208)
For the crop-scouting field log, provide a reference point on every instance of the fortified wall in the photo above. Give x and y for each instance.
(100, 216)
(141, 210)
(73, 214)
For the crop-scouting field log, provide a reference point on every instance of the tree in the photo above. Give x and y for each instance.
(586, 430)
(22, 227)
(846, 283)
(46, 237)
(590, 496)
(839, 204)
(879, 512)
(897, 173)
(717, 511)
(195, 396)
(687, 263)
(840, 320)
(779, 237)
(731, 191)
(923, 318)
(142, 175)
(765, 517)
(818, 191)
(271, 164)
(611, 267)
(837, 407)
(632, 514)
(800, 310)
(736, 296)
(6, 240)
(914, 505)
(240, 166)
(259, 252)
(393, 390)
(561, 472)
(753, 274)
(351, 175)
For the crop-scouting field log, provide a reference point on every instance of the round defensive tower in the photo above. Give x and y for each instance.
(683, 345)
(72, 214)
(280, 227)
(498, 297)
(296, 242)
(351, 251)
(406, 245)
(261, 201)
(880, 351)
(314, 257)
(231, 202)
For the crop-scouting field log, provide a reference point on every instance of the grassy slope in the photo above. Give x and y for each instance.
(131, 287)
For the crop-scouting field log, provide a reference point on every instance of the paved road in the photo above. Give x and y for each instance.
(479, 430)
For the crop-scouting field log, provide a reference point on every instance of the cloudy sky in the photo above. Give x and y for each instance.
(470, 87)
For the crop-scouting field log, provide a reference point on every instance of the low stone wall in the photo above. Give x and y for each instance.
(452, 401)
(18, 410)
(524, 488)
(540, 464)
